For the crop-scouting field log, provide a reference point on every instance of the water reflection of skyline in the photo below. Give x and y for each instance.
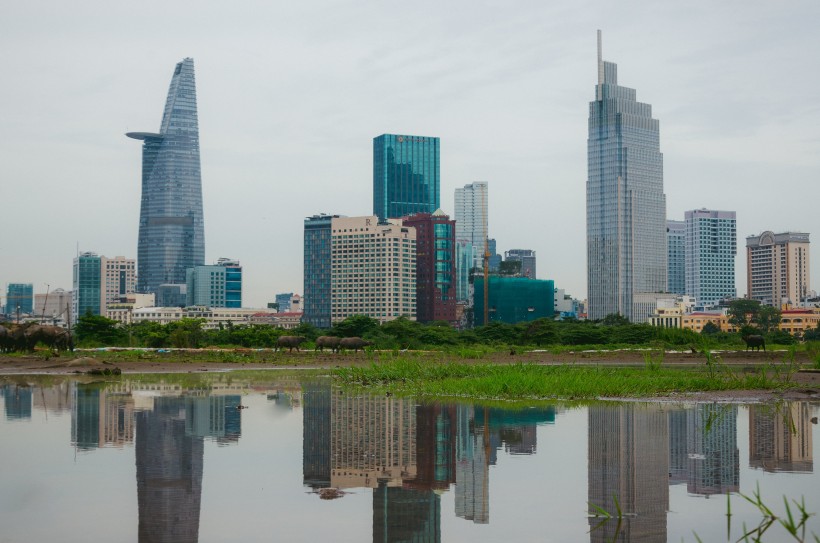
(411, 455)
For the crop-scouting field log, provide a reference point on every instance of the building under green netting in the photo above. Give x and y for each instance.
(515, 299)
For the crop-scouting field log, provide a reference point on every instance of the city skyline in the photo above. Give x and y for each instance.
(735, 107)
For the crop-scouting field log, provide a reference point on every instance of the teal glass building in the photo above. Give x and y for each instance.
(626, 206)
(87, 283)
(317, 270)
(219, 285)
(406, 175)
(171, 231)
(514, 299)
(20, 296)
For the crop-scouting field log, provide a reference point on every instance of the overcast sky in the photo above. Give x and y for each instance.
(291, 94)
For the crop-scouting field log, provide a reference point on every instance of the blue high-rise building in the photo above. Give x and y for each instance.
(171, 232)
(20, 298)
(406, 176)
(676, 244)
(711, 247)
(219, 285)
(87, 283)
(626, 206)
(317, 270)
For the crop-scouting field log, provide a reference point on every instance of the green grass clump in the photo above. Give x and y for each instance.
(531, 381)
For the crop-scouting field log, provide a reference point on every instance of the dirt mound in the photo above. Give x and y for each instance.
(82, 362)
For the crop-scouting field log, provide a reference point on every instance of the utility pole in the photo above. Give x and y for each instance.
(45, 303)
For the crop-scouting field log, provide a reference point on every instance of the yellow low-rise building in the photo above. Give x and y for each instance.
(799, 320)
(696, 321)
(792, 321)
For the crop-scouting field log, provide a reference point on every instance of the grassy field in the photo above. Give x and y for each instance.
(532, 382)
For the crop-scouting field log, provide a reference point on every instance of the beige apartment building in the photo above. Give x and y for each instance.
(119, 277)
(373, 269)
(777, 267)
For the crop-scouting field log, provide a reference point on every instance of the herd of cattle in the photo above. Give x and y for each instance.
(333, 343)
(24, 337)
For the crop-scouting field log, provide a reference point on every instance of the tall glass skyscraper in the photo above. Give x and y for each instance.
(406, 175)
(626, 206)
(471, 218)
(171, 233)
(317, 270)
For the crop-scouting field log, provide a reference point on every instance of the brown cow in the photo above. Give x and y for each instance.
(289, 342)
(328, 341)
(354, 343)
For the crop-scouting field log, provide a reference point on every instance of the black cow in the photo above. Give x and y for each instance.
(754, 342)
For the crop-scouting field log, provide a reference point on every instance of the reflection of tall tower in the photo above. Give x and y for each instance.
(435, 447)
(472, 492)
(629, 460)
(780, 440)
(169, 473)
(714, 460)
(372, 438)
(85, 417)
(17, 402)
(316, 396)
(403, 514)
(678, 454)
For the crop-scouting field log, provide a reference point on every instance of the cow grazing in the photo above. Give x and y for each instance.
(331, 342)
(354, 343)
(755, 342)
(289, 342)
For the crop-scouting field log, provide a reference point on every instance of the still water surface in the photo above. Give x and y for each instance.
(174, 458)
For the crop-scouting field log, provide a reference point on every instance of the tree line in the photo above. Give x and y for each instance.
(403, 333)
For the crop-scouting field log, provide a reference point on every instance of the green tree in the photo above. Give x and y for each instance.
(151, 334)
(355, 326)
(186, 333)
(583, 334)
(780, 337)
(768, 318)
(634, 334)
(497, 332)
(98, 330)
(307, 330)
(812, 334)
(710, 328)
(743, 312)
(615, 319)
(541, 332)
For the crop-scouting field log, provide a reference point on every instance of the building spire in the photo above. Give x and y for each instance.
(600, 60)
(599, 89)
